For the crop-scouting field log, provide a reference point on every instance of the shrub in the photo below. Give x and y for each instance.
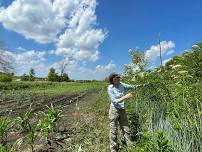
(5, 78)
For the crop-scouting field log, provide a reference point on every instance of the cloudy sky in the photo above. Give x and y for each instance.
(92, 37)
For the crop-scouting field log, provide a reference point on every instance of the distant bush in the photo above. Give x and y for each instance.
(64, 78)
(5, 78)
(24, 77)
(54, 77)
(24, 85)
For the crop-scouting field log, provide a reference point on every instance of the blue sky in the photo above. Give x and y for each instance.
(93, 37)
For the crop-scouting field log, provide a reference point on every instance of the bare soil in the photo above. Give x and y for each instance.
(70, 106)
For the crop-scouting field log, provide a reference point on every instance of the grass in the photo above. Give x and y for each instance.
(70, 87)
(20, 90)
(92, 129)
(165, 123)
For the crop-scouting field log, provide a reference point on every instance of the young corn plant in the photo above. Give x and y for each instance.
(48, 123)
(32, 136)
(5, 126)
(13, 148)
(23, 118)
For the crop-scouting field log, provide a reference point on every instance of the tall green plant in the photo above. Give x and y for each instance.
(171, 102)
(49, 120)
(24, 118)
(12, 148)
(5, 126)
(32, 136)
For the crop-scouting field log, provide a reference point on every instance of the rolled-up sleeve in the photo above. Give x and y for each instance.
(113, 97)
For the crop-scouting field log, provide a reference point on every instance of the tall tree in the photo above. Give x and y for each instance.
(62, 67)
(138, 59)
(52, 75)
(25, 77)
(31, 75)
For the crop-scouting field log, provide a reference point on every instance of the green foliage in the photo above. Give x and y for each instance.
(190, 61)
(134, 125)
(24, 77)
(171, 102)
(26, 85)
(52, 75)
(5, 126)
(91, 132)
(139, 59)
(64, 77)
(31, 75)
(48, 123)
(162, 142)
(5, 78)
(12, 148)
(32, 136)
(24, 118)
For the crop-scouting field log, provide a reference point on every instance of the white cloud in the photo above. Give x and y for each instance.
(76, 71)
(30, 56)
(27, 59)
(164, 61)
(41, 20)
(81, 40)
(166, 48)
(21, 48)
(69, 24)
(23, 61)
(170, 52)
(99, 73)
(70, 65)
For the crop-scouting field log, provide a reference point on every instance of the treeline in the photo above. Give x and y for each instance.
(52, 76)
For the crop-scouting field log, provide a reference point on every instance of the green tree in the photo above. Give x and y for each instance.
(137, 67)
(25, 77)
(5, 77)
(139, 61)
(31, 75)
(64, 77)
(52, 75)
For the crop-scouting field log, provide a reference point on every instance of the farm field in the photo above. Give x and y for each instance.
(100, 76)
(17, 97)
(164, 115)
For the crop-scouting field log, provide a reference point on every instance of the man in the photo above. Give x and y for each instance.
(117, 114)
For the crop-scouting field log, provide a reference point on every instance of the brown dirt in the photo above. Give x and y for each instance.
(70, 106)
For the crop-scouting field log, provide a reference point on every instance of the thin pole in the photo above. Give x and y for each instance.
(159, 41)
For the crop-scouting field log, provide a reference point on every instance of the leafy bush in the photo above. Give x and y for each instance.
(5, 78)
(171, 102)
